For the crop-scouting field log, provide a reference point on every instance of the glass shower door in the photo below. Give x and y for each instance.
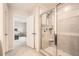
(48, 31)
(68, 29)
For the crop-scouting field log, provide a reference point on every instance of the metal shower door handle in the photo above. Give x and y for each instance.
(33, 33)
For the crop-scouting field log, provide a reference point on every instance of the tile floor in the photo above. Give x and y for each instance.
(23, 51)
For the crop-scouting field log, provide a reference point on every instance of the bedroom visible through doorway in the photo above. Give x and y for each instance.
(19, 31)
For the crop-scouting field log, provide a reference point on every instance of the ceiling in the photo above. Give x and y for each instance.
(29, 7)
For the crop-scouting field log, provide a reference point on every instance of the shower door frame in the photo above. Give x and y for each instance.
(55, 33)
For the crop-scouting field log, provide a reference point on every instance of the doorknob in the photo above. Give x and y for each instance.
(6, 34)
(56, 39)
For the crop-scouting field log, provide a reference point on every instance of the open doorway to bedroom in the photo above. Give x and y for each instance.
(19, 31)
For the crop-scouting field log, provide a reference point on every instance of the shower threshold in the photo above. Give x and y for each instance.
(51, 51)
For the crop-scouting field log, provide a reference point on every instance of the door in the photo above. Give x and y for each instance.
(48, 32)
(6, 28)
(31, 31)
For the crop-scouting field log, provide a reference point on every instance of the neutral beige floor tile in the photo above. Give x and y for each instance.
(24, 51)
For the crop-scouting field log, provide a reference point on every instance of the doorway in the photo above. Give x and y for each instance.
(19, 31)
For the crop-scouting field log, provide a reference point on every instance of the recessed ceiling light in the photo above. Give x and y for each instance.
(67, 8)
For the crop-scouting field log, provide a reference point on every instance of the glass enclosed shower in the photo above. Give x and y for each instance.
(48, 31)
(60, 30)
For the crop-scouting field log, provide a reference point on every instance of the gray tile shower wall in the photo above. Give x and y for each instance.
(69, 44)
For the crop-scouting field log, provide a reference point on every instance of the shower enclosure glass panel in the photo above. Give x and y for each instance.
(68, 29)
(65, 23)
(48, 29)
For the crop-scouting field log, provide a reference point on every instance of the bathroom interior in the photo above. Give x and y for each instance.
(60, 30)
